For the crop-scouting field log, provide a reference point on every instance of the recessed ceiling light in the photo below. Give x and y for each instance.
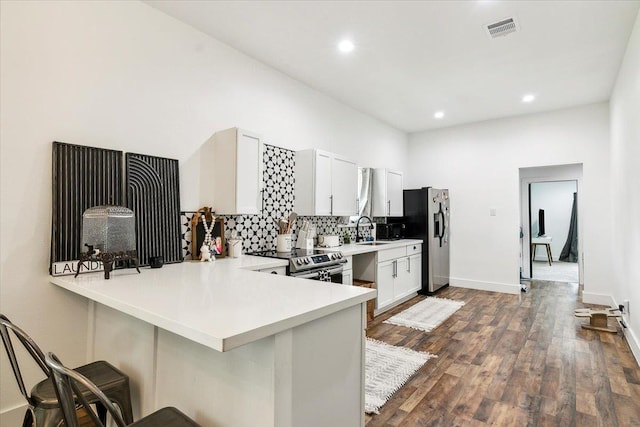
(439, 114)
(345, 46)
(528, 98)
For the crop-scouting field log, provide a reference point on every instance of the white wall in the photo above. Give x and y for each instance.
(480, 164)
(556, 198)
(123, 75)
(625, 188)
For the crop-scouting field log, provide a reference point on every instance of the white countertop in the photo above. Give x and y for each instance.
(221, 305)
(355, 248)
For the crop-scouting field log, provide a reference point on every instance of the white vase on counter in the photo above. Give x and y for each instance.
(283, 243)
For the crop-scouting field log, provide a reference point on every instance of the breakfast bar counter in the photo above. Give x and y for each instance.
(230, 346)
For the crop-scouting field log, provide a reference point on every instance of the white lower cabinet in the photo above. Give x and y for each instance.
(347, 277)
(414, 271)
(347, 273)
(385, 278)
(398, 275)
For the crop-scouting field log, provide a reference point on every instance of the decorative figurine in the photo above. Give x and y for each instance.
(205, 254)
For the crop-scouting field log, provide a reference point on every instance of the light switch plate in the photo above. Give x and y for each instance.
(492, 212)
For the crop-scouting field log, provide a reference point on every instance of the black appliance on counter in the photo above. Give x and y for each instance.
(390, 231)
(314, 265)
(427, 213)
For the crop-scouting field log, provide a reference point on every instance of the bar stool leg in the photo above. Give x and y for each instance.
(549, 253)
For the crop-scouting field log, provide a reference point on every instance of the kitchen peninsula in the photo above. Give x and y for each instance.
(229, 346)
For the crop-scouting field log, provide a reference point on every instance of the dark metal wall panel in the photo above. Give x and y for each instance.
(83, 177)
(153, 193)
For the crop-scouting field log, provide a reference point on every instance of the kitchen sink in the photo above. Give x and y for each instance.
(374, 243)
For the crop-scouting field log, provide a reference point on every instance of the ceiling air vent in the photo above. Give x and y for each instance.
(502, 28)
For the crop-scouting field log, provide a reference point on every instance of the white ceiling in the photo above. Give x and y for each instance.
(416, 57)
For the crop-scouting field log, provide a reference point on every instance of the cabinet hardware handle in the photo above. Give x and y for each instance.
(388, 207)
(331, 207)
(395, 268)
(408, 264)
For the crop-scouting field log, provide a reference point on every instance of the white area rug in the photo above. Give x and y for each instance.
(427, 314)
(387, 369)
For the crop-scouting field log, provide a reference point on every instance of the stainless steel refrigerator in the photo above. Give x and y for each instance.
(426, 215)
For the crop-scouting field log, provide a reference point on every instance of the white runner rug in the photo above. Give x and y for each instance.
(427, 314)
(387, 369)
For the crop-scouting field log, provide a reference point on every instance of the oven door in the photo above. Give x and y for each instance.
(328, 274)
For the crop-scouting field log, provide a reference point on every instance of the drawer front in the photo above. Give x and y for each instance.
(414, 249)
(394, 253)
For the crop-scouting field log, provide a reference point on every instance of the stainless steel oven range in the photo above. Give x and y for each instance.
(314, 265)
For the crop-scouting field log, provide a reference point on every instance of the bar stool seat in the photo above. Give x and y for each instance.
(113, 382)
(44, 407)
(69, 384)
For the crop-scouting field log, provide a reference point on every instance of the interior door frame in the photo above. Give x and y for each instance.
(551, 173)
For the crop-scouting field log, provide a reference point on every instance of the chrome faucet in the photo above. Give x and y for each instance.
(358, 238)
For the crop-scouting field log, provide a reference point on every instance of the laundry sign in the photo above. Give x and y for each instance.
(64, 268)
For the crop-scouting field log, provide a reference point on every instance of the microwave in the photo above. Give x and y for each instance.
(390, 231)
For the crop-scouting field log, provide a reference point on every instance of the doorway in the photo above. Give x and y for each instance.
(550, 189)
(553, 230)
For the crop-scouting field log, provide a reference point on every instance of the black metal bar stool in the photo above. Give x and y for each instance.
(68, 383)
(44, 407)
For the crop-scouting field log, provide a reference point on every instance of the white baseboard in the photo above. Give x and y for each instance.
(485, 286)
(633, 341)
(13, 416)
(629, 334)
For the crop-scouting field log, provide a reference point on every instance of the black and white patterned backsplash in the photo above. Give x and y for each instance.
(259, 232)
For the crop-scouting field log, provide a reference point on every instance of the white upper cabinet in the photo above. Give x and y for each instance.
(387, 193)
(326, 184)
(344, 183)
(237, 172)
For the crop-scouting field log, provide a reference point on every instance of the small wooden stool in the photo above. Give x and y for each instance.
(598, 318)
(546, 242)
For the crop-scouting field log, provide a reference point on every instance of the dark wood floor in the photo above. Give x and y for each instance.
(513, 360)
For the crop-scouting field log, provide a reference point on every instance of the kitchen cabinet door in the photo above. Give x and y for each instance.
(347, 277)
(385, 277)
(236, 173)
(387, 193)
(414, 270)
(344, 187)
(394, 193)
(402, 284)
(323, 183)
